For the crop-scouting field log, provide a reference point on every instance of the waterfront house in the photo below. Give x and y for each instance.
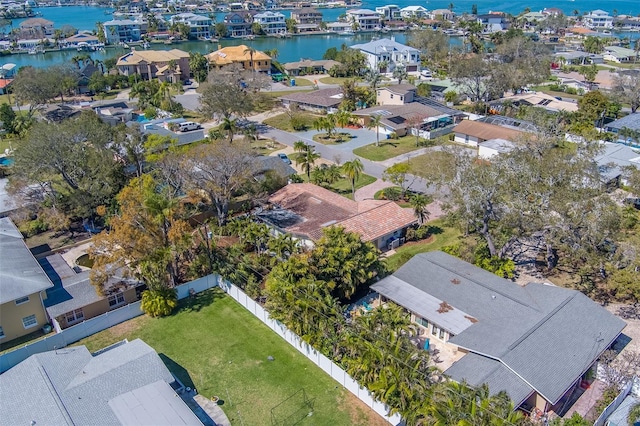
(124, 384)
(598, 19)
(165, 65)
(73, 298)
(123, 30)
(307, 15)
(303, 210)
(386, 54)
(271, 22)
(536, 342)
(240, 55)
(84, 76)
(363, 19)
(493, 22)
(22, 287)
(340, 27)
(413, 12)
(442, 15)
(36, 28)
(390, 12)
(320, 101)
(239, 23)
(307, 66)
(80, 41)
(619, 54)
(200, 26)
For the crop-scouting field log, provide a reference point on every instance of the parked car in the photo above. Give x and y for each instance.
(284, 158)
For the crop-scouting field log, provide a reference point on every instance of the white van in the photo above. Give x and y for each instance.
(187, 126)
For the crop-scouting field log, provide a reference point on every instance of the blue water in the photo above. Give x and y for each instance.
(295, 48)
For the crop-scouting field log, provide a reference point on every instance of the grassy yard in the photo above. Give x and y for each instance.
(563, 95)
(283, 122)
(388, 148)
(266, 146)
(336, 139)
(422, 165)
(338, 80)
(213, 344)
(441, 236)
(343, 186)
(6, 143)
(278, 93)
(303, 82)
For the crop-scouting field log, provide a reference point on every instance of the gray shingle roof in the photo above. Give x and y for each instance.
(631, 121)
(546, 335)
(70, 386)
(20, 273)
(384, 45)
(614, 157)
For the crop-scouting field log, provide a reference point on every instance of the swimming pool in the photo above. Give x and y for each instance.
(6, 161)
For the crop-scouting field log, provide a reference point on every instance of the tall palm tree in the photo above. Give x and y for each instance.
(230, 126)
(353, 169)
(374, 123)
(251, 51)
(306, 156)
(400, 73)
(343, 118)
(374, 78)
(419, 203)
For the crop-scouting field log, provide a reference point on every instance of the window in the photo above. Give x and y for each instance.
(29, 321)
(434, 330)
(74, 316)
(441, 334)
(1, 333)
(392, 96)
(116, 299)
(22, 300)
(423, 322)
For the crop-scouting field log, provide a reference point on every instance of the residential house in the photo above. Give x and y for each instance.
(8, 70)
(242, 56)
(303, 210)
(493, 147)
(271, 163)
(424, 117)
(4, 85)
(613, 160)
(23, 286)
(552, 11)
(114, 113)
(238, 23)
(386, 54)
(339, 27)
(390, 12)
(307, 19)
(123, 384)
(123, 30)
(619, 54)
(74, 299)
(536, 99)
(308, 66)
(271, 22)
(396, 94)
(81, 40)
(200, 26)
(536, 342)
(598, 19)
(476, 132)
(56, 113)
(320, 101)
(623, 127)
(36, 28)
(84, 75)
(363, 19)
(493, 22)
(442, 15)
(413, 12)
(165, 65)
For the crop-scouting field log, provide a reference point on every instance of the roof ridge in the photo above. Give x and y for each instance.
(54, 393)
(501, 293)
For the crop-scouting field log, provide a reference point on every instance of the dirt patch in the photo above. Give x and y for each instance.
(425, 241)
(360, 413)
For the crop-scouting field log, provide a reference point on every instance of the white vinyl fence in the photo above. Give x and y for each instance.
(91, 326)
(328, 366)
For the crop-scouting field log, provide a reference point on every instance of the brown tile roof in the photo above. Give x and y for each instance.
(230, 54)
(322, 97)
(151, 56)
(486, 131)
(317, 208)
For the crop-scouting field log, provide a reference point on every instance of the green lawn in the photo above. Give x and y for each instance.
(283, 121)
(422, 165)
(302, 82)
(442, 236)
(6, 143)
(337, 138)
(343, 186)
(214, 344)
(388, 148)
(338, 80)
(266, 146)
(279, 93)
(563, 95)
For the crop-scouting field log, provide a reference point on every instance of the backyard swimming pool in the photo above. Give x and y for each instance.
(6, 161)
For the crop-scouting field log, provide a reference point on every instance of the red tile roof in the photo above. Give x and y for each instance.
(4, 82)
(318, 208)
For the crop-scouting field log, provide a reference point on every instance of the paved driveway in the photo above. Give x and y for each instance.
(190, 99)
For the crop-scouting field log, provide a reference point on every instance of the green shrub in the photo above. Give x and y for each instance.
(150, 113)
(393, 193)
(571, 90)
(297, 123)
(422, 232)
(34, 227)
(410, 234)
(159, 303)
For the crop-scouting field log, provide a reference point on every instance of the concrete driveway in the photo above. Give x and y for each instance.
(190, 99)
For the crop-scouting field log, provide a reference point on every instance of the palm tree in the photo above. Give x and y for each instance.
(251, 51)
(382, 65)
(306, 156)
(634, 414)
(400, 73)
(273, 53)
(374, 122)
(353, 169)
(419, 203)
(373, 77)
(230, 126)
(343, 118)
